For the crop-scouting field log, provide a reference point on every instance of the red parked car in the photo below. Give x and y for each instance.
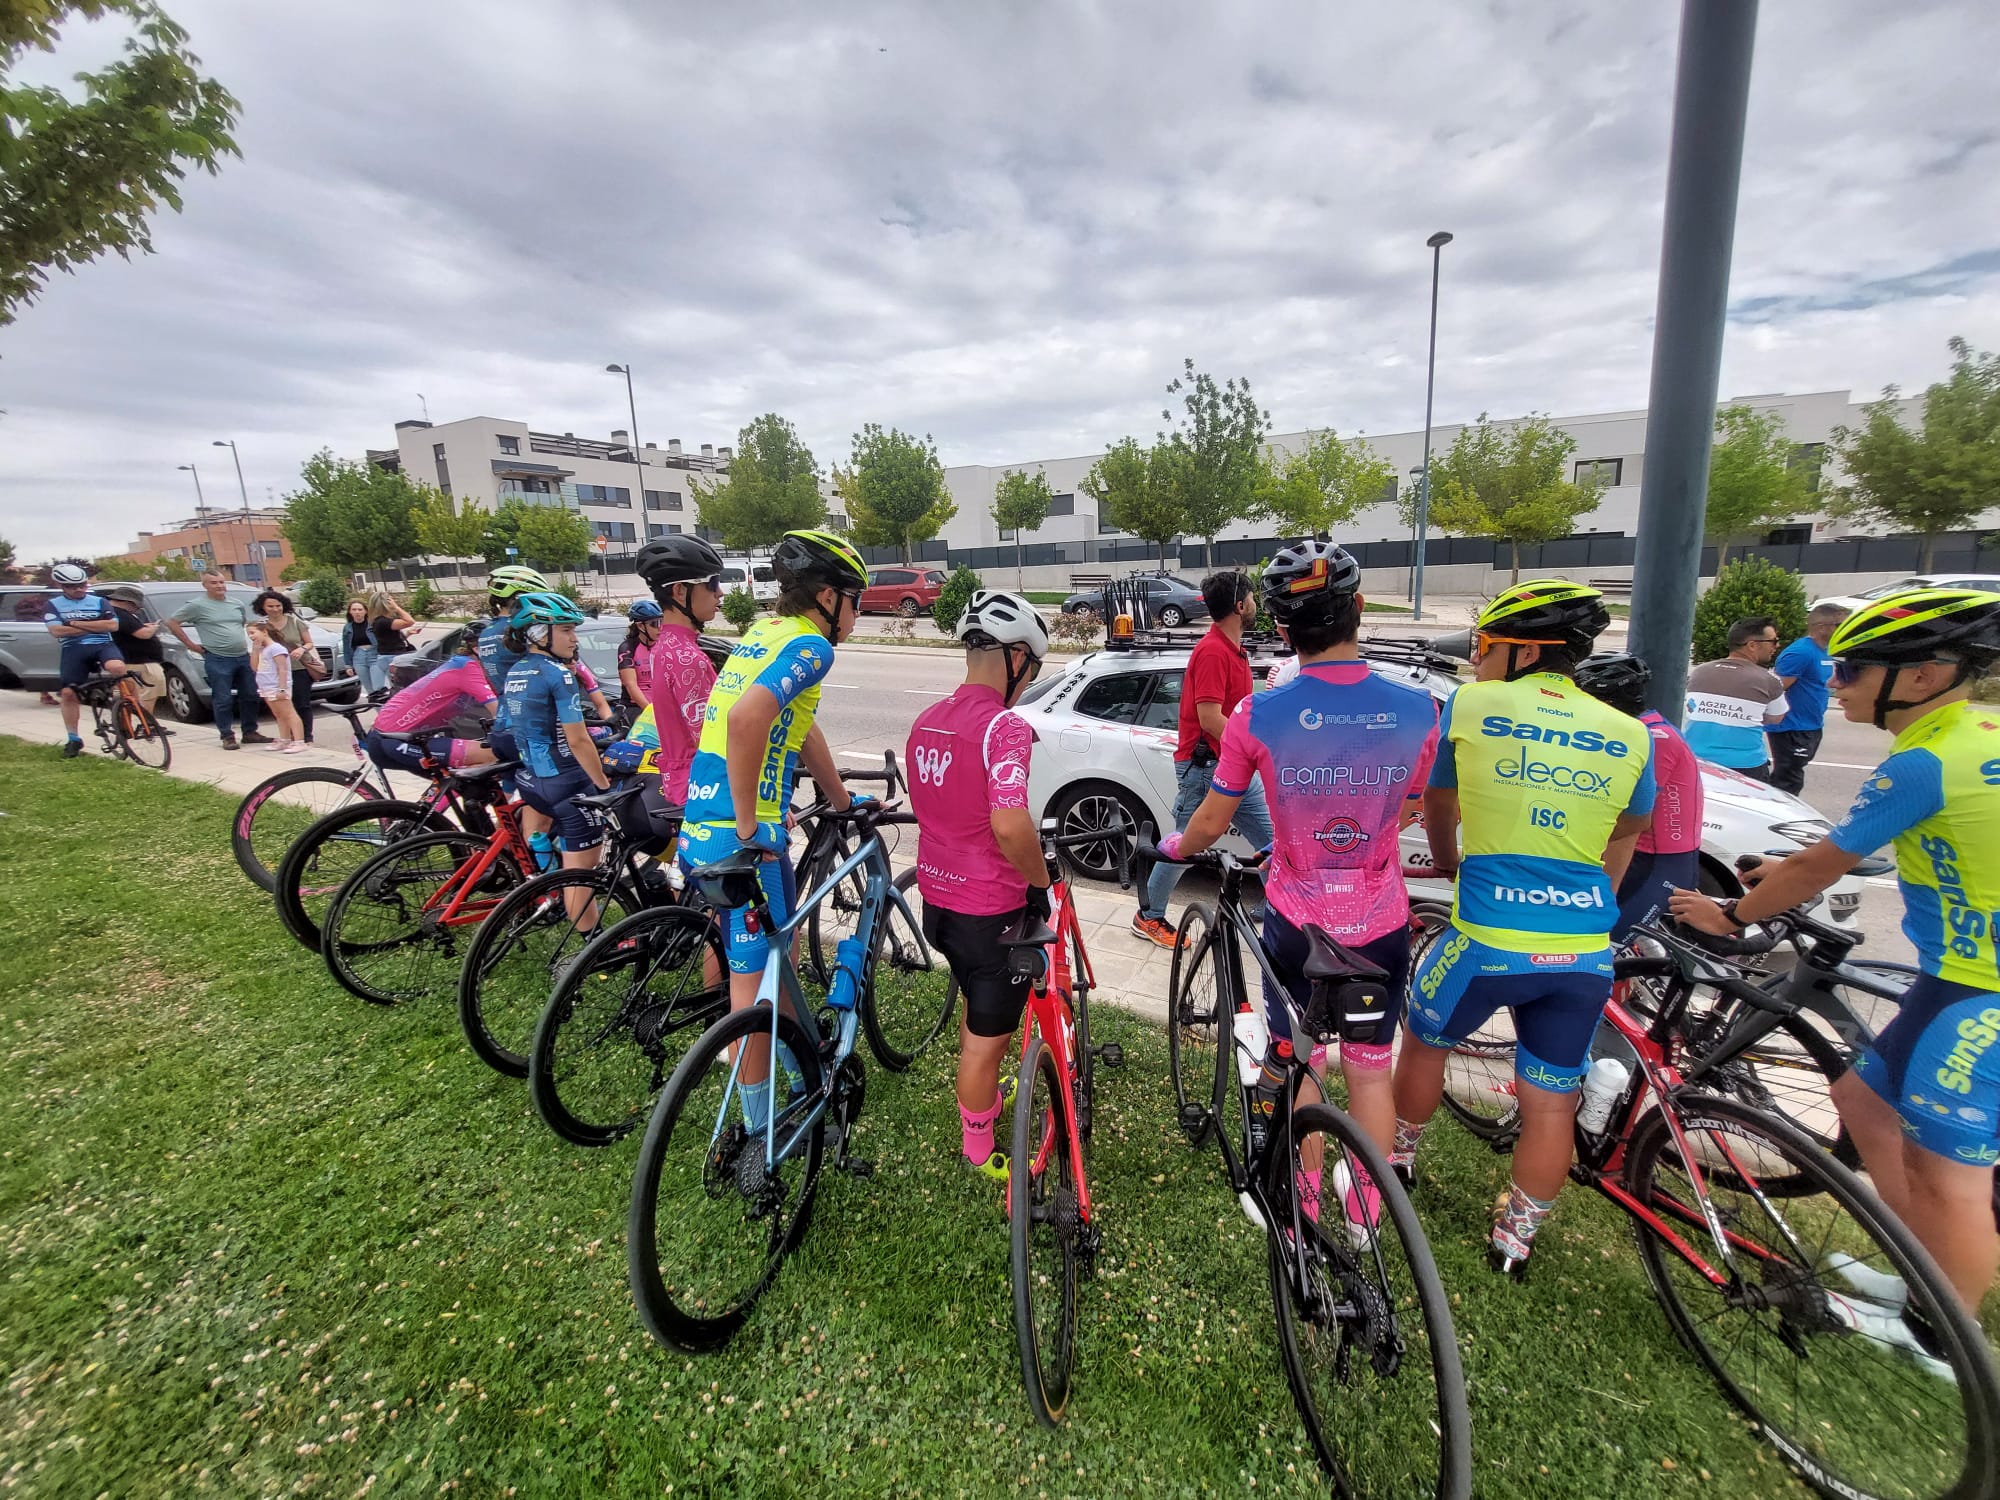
(901, 591)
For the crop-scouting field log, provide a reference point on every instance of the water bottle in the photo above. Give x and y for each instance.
(1253, 1039)
(1602, 1088)
(1271, 1075)
(846, 986)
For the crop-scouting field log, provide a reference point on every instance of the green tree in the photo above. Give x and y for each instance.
(952, 598)
(449, 528)
(894, 489)
(1128, 486)
(503, 530)
(1506, 482)
(80, 175)
(1212, 463)
(6, 554)
(554, 536)
(1934, 480)
(1749, 586)
(120, 568)
(772, 488)
(1325, 485)
(325, 592)
(1752, 480)
(347, 516)
(739, 608)
(1020, 504)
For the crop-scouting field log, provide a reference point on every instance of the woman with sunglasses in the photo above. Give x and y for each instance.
(1923, 1104)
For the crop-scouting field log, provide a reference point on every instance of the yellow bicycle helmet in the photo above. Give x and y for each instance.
(1913, 626)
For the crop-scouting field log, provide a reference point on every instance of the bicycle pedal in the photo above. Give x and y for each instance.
(1111, 1055)
(1193, 1118)
(858, 1167)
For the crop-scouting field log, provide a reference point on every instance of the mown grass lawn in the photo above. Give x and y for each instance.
(264, 1239)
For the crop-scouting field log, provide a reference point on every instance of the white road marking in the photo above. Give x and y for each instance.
(1841, 765)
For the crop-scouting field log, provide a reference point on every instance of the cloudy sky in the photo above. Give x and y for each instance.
(1002, 225)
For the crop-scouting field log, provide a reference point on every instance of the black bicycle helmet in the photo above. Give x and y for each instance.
(677, 559)
(1306, 579)
(1615, 678)
(819, 559)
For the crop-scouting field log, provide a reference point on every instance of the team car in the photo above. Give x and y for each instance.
(1106, 725)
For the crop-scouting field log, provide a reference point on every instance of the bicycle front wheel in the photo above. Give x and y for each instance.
(725, 1181)
(619, 1019)
(278, 809)
(512, 962)
(910, 994)
(320, 859)
(1047, 1232)
(1836, 1333)
(1196, 1035)
(389, 936)
(1364, 1324)
(141, 740)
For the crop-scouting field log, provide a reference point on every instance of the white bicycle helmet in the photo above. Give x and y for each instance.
(68, 575)
(994, 618)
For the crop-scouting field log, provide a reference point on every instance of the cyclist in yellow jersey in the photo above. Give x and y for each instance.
(1553, 788)
(1922, 1105)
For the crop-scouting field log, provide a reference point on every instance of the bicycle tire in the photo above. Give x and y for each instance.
(499, 1009)
(251, 840)
(1354, 1285)
(1195, 1027)
(601, 1050)
(333, 848)
(910, 994)
(1805, 1309)
(835, 917)
(140, 739)
(1086, 1053)
(678, 1306)
(382, 912)
(1045, 1201)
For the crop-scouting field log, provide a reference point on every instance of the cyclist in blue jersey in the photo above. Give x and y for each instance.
(490, 644)
(1552, 788)
(559, 760)
(1923, 1104)
(82, 623)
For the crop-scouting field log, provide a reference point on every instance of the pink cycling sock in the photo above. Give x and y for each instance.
(976, 1132)
(1362, 1202)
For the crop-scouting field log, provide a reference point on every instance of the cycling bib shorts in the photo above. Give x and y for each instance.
(704, 844)
(1556, 1000)
(994, 998)
(1288, 948)
(576, 827)
(1938, 1066)
(78, 661)
(1649, 881)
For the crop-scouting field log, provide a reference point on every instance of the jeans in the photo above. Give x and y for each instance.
(1792, 750)
(1252, 820)
(369, 668)
(229, 675)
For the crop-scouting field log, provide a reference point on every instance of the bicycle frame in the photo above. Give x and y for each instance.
(1051, 1017)
(452, 902)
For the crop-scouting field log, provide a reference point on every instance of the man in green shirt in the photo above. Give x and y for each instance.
(224, 649)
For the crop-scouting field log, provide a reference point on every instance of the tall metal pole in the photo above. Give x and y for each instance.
(1437, 242)
(201, 513)
(249, 527)
(638, 463)
(1711, 95)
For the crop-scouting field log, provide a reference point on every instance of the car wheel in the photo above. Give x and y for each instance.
(182, 701)
(1172, 615)
(1081, 611)
(909, 609)
(1095, 807)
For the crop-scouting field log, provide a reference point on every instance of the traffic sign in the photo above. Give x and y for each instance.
(602, 544)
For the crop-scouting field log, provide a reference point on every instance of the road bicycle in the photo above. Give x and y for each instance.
(731, 1159)
(1364, 1325)
(397, 928)
(1053, 1235)
(1815, 1310)
(279, 808)
(520, 951)
(122, 724)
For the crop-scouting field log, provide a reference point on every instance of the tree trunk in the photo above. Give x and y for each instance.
(1515, 547)
(1721, 553)
(1930, 546)
(1163, 555)
(1019, 586)
(908, 560)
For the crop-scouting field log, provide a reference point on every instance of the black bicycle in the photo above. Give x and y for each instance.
(1364, 1324)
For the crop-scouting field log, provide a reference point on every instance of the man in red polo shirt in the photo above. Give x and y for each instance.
(1218, 678)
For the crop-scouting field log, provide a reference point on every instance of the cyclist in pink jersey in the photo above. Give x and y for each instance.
(1668, 853)
(685, 575)
(422, 711)
(1343, 755)
(979, 861)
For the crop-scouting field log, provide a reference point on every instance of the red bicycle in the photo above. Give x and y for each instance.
(1052, 1224)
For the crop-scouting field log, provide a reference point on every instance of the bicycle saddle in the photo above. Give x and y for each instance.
(477, 775)
(615, 793)
(1032, 935)
(1327, 958)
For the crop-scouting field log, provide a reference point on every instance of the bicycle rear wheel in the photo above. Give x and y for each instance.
(1838, 1337)
(1046, 1232)
(386, 937)
(140, 738)
(619, 1019)
(712, 1216)
(910, 994)
(270, 819)
(333, 848)
(1479, 1074)
(1197, 1037)
(1364, 1324)
(513, 960)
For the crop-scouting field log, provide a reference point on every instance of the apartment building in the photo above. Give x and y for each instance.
(247, 546)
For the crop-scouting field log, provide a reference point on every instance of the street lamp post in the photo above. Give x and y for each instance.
(1437, 242)
(201, 510)
(249, 528)
(631, 406)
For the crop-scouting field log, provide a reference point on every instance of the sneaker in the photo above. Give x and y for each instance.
(72, 749)
(276, 745)
(229, 742)
(1153, 930)
(1870, 1320)
(252, 737)
(296, 747)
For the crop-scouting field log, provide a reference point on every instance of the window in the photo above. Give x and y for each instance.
(616, 531)
(1602, 472)
(1063, 505)
(273, 550)
(444, 470)
(604, 494)
(1104, 524)
(1808, 459)
(663, 499)
(437, 452)
(1388, 495)
(1163, 709)
(1005, 535)
(1115, 699)
(511, 445)
(27, 606)
(655, 530)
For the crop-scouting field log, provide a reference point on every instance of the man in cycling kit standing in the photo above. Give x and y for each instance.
(1216, 680)
(1553, 788)
(1344, 752)
(1923, 1104)
(82, 624)
(979, 861)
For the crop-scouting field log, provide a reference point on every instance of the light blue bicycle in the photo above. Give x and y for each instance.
(732, 1155)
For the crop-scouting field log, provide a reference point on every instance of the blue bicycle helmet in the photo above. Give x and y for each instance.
(641, 610)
